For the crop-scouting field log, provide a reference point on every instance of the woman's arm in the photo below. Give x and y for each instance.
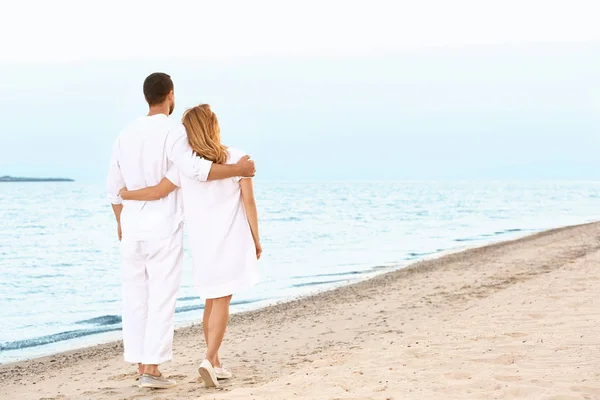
(251, 212)
(151, 192)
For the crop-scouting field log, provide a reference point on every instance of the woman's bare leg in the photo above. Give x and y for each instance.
(206, 319)
(217, 324)
(206, 324)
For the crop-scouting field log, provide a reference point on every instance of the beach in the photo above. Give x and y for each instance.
(60, 275)
(518, 319)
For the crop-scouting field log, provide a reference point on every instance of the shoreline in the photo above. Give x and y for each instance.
(387, 269)
(117, 345)
(112, 336)
(546, 251)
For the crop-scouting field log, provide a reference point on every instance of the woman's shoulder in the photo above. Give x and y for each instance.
(234, 155)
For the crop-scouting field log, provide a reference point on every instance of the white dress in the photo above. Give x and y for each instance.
(221, 242)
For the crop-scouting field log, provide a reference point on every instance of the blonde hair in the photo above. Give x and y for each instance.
(204, 133)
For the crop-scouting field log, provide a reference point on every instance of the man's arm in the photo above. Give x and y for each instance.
(182, 155)
(114, 183)
(244, 168)
(114, 180)
(117, 208)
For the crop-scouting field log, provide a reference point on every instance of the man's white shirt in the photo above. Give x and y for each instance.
(142, 155)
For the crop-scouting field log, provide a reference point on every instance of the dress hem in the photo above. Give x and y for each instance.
(228, 289)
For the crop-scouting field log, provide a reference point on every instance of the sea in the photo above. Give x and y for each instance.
(59, 253)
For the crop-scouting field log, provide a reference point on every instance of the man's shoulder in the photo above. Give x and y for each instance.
(132, 128)
(144, 124)
(176, 128)
(129, 128)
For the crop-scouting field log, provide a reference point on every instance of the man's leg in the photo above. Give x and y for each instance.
(165, 258)
(135, 301)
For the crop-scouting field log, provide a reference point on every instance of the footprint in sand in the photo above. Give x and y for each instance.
(541, 383)
(517, 334)
(522, 392)
(586, 389)
(504, 378)
(459, 376)
(177, 377)
(123, 377)
(505, 359)
(536, 316)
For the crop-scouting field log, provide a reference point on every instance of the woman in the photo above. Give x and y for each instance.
(223, 231)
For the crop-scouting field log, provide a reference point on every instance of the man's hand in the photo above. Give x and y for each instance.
(246, 167)
(119, 233)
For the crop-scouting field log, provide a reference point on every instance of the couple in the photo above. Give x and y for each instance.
(151, 158)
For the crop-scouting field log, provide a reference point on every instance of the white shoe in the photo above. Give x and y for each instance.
(208, 374)
(223, 373)
(156, 382)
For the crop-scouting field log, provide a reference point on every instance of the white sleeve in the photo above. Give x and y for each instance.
(173, 176)
(114, 181)
(182, 155)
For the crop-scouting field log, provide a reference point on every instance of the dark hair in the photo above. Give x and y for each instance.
(157, 87)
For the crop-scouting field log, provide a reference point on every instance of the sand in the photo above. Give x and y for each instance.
(516, 320)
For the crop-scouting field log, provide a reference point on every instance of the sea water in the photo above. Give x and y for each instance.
(59, 253)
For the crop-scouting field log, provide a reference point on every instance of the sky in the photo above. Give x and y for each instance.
(313, 90)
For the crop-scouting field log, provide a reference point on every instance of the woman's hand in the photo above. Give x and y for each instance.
(122, 191)
(258, 249)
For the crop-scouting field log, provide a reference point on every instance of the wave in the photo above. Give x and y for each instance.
(413, 255)
(484, 235)
(194, 307)
(330, 275)
(317, 283)
(102, 321)
(62, 265)
(285, 219)
(510, 231)
(465, 239)
(350, 273)
(188, 298)
(105, 323)
(380, 267)
(48, 276)
(57, 337)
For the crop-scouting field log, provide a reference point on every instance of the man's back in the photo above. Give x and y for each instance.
(151, 233)
(141, 154)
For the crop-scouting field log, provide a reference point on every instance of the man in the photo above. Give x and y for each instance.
(151, 232)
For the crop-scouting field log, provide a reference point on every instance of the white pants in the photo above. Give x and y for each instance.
(151, 278)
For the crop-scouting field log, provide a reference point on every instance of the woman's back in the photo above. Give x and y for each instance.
(219, 234)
